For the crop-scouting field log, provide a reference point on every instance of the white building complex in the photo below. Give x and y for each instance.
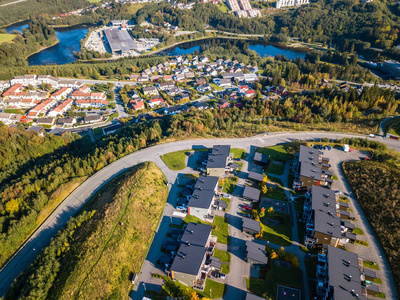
(289, 3)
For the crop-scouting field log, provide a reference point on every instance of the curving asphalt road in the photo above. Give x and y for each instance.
(72, 204)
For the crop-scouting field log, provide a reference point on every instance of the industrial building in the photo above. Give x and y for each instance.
(119, 40)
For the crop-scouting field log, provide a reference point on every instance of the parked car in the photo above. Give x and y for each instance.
(226, 196)
(237, 159)
(222, 275)
(247, 216)
(329, 148)
(181, 208)
(246, 207)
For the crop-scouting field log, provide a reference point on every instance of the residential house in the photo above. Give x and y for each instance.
(61, 93)
(200, 105)
(47, 79)
(251, 77)
(45, 121)
(256, 254)
(223, 103)
(218, 159)
(321, 213)
(338, 275)
(92, 119)
(38, 129)
(201, 202)
(166, 86)
(251, 226)
(41, 108)
(310, 168)
(256, 176)
(153, 103)
(260, 158)
(65, 122)
(24, 80)
(60, 108)
(172, 110)
(251, 193)
(150, 90)
(137, 104)
(280, 90)
(204, 88)
(200, 81)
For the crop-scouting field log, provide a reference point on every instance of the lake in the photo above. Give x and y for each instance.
(262, 48)
(69, 41)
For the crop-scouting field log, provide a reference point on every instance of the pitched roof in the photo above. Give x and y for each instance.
(256, 252)
(188, 260)
(251, 193)
(196, 234)
(256, 176)
(201, 199)
(344, 274)
(260, 157)
(251, 224)
(208, 183)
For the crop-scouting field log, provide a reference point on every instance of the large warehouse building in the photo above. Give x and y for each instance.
(119, 40)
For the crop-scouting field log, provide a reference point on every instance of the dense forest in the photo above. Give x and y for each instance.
(37, 36)
(97, 255)
(377, 186)
(35, 8)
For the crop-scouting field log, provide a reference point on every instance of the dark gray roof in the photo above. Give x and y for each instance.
(308, 155)
(201, 199)
(344, 213)
(348, 224)
(310, 171)
(253, 297)
(327, 223)
(188, 260)
(344, 204)
(216, 161)
(251, 224)
(45, 121)
(369, 273)
(344, 274)
(208, 183)
(57, 131)
(256, 252)
(372, 288)
(256, 176)
(196, 234)
(222, 203)
(351, 236)
(35, 128)
(251, 193)
(119, 40)
(260, 157)
(322, 198)
(62, 121)
(215, 262)
(165, 259)
(111, 128)
(221, 150)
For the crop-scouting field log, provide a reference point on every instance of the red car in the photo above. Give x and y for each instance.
(246, 207)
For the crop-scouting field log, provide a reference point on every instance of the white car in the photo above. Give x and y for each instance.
(226, 196)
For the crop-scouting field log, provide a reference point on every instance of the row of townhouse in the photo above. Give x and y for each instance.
(37, 80)
(340, 274)
(310, 169)
(328, 221)
(192, 255)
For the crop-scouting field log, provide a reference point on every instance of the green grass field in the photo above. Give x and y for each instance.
(278, 152)
(393, 126)
(358, 231)
(4, 37)
(220, 229)
(275, 169)
(229, 184)
(213, 289)
(278, 234)
(275, 276)
(238, 153)
(175, 160)
(222, 255)
(98, 131)
(370, 264)
(216, 87)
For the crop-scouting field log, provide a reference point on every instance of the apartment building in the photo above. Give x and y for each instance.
(310, 168)
(291, 3)
(203, 198)
(218, 159)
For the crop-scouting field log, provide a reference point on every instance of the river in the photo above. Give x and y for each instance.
(262, 48)
(62, 53)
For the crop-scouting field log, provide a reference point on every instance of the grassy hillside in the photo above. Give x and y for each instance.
(377, 184)
(106, 249)
(4, 37)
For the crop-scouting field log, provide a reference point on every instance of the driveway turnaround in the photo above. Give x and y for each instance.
(74, 202)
